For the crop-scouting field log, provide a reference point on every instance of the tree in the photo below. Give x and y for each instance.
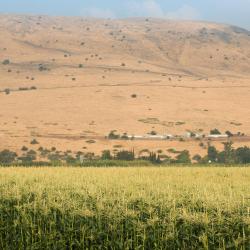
(242, 155)
(34, 141)
(7, 157)
(6, 62)
(229, 133)
(215, 132)
(212, 154)
(106, 155)
(197, 158)
(7, 91)
(113, 136)
(125, 155)
(229, 152)
(183, 157)
(154, 158)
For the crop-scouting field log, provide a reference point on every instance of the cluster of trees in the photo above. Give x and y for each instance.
(229, 155)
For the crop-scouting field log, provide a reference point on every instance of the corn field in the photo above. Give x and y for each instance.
(125, 208)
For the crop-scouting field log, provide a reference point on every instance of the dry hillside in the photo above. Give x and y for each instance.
(184, 76)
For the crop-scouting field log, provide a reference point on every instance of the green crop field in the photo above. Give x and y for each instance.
(125, 208)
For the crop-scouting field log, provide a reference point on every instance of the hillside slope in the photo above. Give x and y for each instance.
(185, 75)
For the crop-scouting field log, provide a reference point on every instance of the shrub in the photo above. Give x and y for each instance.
(229, 133)
(6, 62)
(242, 155)
(106, 155)
(133, 95)
(125, 155)
(197, 158)
(7, 91)
(34, 141)
(153, 132)
(53, 149)
(215, 132)
(113, 136)
(183, 157)
(7, 157)
(23, 88)
(90, 141)
(124, 136)
(24, 148)
(42, 67)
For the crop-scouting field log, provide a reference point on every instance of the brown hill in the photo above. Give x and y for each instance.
(185, 75)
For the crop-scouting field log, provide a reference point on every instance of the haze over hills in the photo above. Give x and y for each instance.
(185, 76)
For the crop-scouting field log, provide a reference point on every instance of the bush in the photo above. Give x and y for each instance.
(134, 96)
(113, 136)
(153, 132)
(183, 157)
(229, 133)
(212, 154)
(125, 155)
(7, 91)
(7, 157)
(197, 158)
(6, 62)
(106, 155)
(215, 132)
(242, 155)
(24, 148)
(34, 141)
(23, 88)
(124, 136)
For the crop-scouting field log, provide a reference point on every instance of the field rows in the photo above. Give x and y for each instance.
(125, 208)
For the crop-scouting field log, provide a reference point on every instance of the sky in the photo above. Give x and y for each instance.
(235, 12)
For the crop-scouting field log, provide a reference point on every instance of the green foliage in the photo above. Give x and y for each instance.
(140, 208)
(153, 132)
(7, 91)
(106, 155)
(125, 155)
(215, 132)
(6, 62)
(242, 155)
(183, 157)
(229, 133)
(34, 141)
(113, 136)
(7, 157)
(197, 158)
(212, 154)
(24, 148)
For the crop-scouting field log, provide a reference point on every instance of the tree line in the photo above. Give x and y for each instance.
(229, 155)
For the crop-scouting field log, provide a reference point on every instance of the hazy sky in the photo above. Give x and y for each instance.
(226, 11)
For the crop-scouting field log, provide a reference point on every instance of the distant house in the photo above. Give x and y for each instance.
(157, 137)
(217, 136)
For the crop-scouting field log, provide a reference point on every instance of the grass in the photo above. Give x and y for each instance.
(125, 208)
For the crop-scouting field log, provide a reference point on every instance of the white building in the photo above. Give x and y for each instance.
(217, 136)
